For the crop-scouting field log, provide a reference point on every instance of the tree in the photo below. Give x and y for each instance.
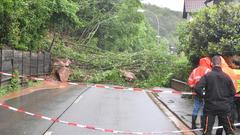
(127, 31)
(24, 23)
(63, 19)
(168, 21)
(212, 31)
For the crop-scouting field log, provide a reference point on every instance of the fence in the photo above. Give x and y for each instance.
(26, 63)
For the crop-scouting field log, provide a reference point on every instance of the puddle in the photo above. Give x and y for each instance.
(171, 101)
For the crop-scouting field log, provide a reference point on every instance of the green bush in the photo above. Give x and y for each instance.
(15, 82)
(77, 75)
(182, 69)
(32, 83)
(110, 77)
(213, 30)
(4, 90)
(161, 75)
(14, 85)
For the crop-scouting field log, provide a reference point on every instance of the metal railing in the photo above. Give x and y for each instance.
(179, 85)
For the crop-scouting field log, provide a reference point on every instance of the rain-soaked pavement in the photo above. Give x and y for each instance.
(51, 103)
(108, 109)
(182, 106)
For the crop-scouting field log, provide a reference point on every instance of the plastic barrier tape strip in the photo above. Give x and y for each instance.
(123, 88)
(91, 127)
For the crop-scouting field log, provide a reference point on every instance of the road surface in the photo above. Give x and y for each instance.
(99, 107)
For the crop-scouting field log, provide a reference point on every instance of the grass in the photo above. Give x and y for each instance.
(6, 89)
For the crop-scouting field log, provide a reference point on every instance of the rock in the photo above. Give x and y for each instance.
(129, 76)
(62, 62)
(63, 74)
(61, 70)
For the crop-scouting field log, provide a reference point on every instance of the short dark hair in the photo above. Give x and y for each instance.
(216, 60)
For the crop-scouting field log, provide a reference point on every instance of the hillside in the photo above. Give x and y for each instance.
(102, 39)
(168, 20)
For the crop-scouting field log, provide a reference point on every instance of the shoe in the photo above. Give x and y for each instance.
(202, 122)
(194, 118)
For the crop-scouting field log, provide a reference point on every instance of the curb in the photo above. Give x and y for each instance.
(182, 126)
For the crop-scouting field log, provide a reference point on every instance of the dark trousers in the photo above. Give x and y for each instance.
(232, 118)
(237, 103)
(224, 118)
(235, 115)
(220, 123)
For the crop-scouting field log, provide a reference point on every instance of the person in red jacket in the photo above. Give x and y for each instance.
(203, 68)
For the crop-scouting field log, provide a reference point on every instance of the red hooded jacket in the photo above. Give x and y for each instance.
(203, 68)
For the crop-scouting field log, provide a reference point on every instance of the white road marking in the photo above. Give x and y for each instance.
(78, 100)
(48, 133)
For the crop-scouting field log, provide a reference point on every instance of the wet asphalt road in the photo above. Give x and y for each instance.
(108, 109)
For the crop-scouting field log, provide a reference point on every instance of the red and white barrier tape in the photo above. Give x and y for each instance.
(143, 90)
(34, 78)
(6, 74)
(139, 89)
(147, 90)
(123, 88)
(90, 127)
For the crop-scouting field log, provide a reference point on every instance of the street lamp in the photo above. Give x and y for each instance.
(158, 24)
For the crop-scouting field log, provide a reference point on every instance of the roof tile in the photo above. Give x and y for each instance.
(194, 5)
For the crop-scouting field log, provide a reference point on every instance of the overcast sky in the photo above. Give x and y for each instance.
(176, 5)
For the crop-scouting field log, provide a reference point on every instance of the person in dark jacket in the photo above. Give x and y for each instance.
(218, 97)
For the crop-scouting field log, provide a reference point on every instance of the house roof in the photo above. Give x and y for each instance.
(193, 6)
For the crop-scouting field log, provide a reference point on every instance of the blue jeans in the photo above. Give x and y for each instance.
(198, 104)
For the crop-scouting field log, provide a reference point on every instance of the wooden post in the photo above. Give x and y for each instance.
(22, 70)
(12, 62)
(30, 64)
(1, 64)
(44, 63)
(50, 63)
(37, 63)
